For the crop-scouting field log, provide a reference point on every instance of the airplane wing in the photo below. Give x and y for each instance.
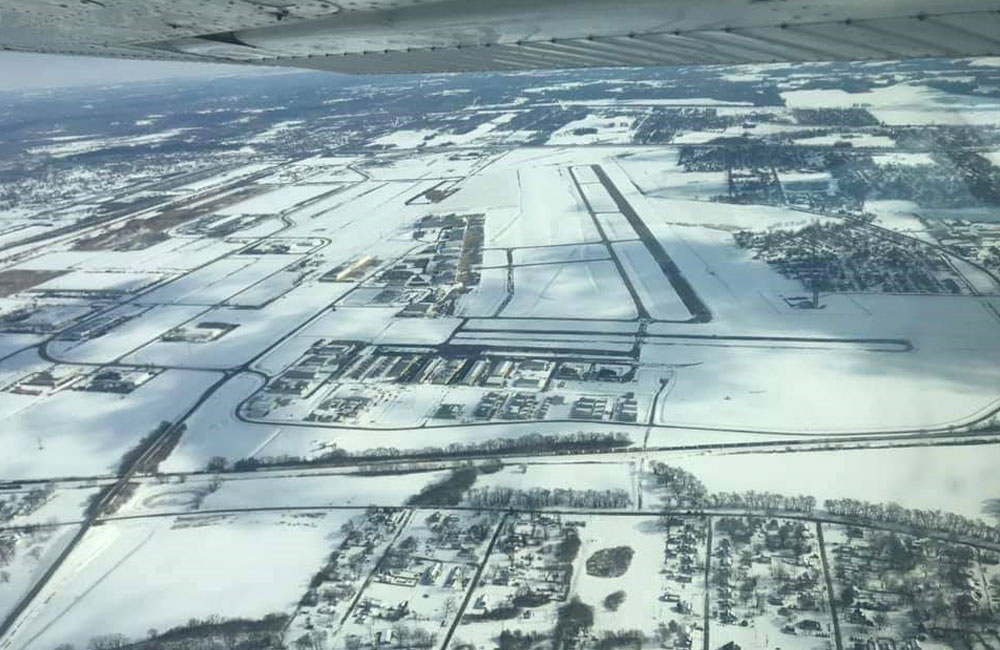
(401, 36)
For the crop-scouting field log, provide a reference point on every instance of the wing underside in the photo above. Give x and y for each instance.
(401, 36)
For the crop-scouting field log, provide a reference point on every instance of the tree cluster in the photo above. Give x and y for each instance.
(923, 520)
(534, 498)
(26, 503)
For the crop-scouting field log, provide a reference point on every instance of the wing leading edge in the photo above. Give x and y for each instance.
(401, 36)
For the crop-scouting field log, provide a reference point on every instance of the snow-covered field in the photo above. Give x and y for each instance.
(595, 129)
(255, 330)
(120, 282)
(415, 331)
(903, 159)
(652, 287)
(213, 429)
(172, 255)
(568, 475)
(903, 103)
(225, 177)
(487, 296)
(553, 254)
(548, 211)
(279, 200)
(808, 390)
(219, 280)
(953, 478)
(856, 139)
(318, 489)
(130, 335)
(557, 290)
(45, 439)
(33, 554)
(163, 572)
(77, 147)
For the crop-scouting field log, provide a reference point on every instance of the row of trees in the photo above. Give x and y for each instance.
(528, 443)
(211, 633)
(684, 490)
(25, 503)
(923, 520)
(762, 501)
(504, 497)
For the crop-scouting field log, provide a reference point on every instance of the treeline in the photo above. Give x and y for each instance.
(762, 501)
(132, 456)
(211, 633)
(447, 492)
(25, 504)
(505, 497)
(684, 490)
(528, 443)
(923, 520)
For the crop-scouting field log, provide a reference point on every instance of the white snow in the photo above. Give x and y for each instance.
(557, 291)
(256, 329)
(903, 103)
(148, 568)
(278, 201)
(951, 478)
(553, 254)
(487, 296)
(549, 211)
(652, 286)
(132, 334)
(225, 177)
(97, 281)
(45, 439)
(418, 331)
(903, 159)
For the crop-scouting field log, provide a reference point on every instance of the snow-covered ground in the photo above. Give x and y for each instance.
(652, 287)
(213, 429)
(244, 566)
(855, 139)
(121, 282)
(952, 478)
(903, 159)
(219, 280)
(33, 553)
(546, 210)
(595, 129)
(227, 176)
(567, 475)
(130, 335)
(256, 329)
(318, 489)
(45, 439)
(279, 200)
(487, 296)
(77, 147)
(557, 290)
(553, 254)
(903, 103)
